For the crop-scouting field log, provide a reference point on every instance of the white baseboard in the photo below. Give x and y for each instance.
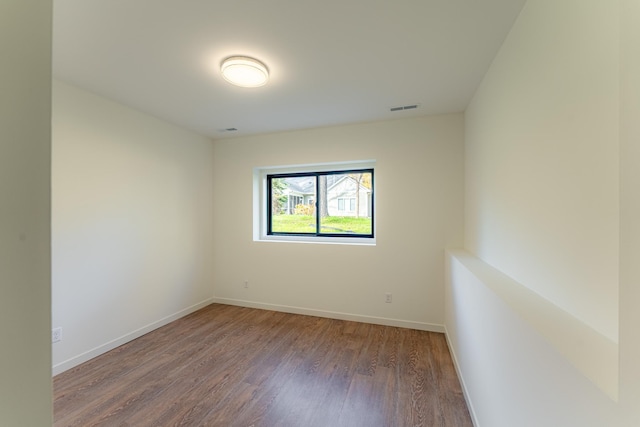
(97, 351)
(465, 391)
(422, 326)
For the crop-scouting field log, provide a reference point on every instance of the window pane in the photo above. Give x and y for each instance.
(344, 203)
(291, 211)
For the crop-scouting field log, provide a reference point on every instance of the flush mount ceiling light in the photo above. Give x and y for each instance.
(244, 71)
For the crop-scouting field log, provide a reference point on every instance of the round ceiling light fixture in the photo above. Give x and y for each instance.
(244, 71)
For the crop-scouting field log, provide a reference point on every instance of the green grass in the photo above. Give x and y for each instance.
(332, 224)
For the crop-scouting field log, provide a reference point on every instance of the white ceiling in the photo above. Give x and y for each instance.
(331, 61)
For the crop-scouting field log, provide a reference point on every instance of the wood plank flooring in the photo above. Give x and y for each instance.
(234, 366)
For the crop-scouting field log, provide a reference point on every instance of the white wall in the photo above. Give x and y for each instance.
(629, 411)
(542, 195)
(512, 374)
(552, 203)
(132, 223)
(419, 185)
(25, 154)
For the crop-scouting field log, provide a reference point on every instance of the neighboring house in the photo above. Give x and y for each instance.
(341, 195)
(300, 191)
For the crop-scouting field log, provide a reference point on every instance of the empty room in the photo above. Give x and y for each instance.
(411, 213)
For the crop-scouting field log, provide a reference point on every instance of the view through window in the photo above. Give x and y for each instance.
(334, 203)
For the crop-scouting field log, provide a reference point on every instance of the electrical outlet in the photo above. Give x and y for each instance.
(246, 284)
(56, 335)
(387, 297)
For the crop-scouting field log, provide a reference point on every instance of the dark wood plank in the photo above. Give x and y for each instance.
(235, 366)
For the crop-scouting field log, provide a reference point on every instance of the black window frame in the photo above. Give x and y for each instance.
(317, 174)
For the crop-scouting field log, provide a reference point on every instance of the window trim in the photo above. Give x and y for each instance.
(260, 192)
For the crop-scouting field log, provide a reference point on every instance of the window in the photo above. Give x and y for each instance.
(347, 204)
(331, 203)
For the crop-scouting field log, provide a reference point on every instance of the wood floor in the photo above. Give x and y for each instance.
(233, 366)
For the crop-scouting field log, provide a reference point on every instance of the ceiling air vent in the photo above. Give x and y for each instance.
(227, 130)
(404, 107)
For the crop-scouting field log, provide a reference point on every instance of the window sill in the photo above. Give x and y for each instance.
(355, 241)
